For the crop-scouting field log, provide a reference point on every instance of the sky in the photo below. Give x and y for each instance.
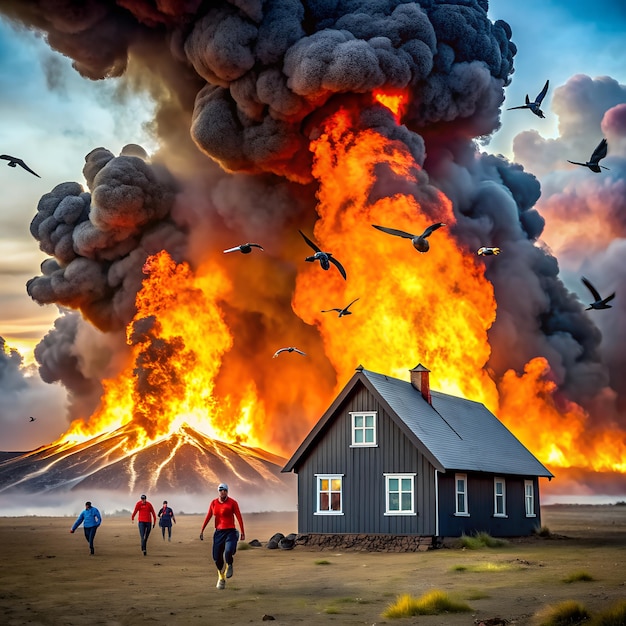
(53, 117)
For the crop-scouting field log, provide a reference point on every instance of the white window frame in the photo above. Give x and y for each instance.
(353, 429)
(318, 481)
(400, 477)
(529, 498)
(457, 510)
(499, 496)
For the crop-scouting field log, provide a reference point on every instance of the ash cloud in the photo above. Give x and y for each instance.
(247, 83)
(25, 394)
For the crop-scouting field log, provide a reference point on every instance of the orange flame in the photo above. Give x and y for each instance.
(395, 102)
(179, 338)
(435, 308)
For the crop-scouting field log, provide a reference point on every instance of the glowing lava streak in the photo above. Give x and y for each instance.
(433, 308)
(178, 337)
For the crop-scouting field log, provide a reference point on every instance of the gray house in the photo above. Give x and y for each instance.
(391, 457)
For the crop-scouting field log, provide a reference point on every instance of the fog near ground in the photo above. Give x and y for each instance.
(113, 503)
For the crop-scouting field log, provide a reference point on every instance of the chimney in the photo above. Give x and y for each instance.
(421, 382)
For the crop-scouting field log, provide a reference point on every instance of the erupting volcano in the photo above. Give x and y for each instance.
(325, 120)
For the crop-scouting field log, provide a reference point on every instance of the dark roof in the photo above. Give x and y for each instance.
(453, 433)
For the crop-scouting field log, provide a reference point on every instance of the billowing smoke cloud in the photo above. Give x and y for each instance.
(24, 395)
(586, 211)
(250, 82)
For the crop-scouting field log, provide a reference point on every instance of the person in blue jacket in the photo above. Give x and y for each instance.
(91, 519)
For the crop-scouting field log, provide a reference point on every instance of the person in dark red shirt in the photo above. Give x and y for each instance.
(146, 520)
(225, 537)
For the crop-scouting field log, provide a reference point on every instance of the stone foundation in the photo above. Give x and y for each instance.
(367, 543)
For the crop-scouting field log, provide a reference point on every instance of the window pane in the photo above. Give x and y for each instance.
(335, 501)
(406, 502)
(358, 421)
(394, 502)
(323, 502)
(369, 436)
(406, 484)
(369, 421)
(460, 484)
(336, 484)
(499, 488)
(323, 484)
(460, 502)
(394, 484)
(358, 436)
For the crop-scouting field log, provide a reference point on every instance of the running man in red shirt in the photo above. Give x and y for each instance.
(225, 538)
(146, 520)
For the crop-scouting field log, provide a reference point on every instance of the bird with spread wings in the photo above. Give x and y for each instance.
(14, 162)
(535, 106)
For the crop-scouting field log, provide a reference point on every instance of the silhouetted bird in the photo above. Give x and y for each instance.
(420, 242)
(14, 161)
(290, 349)
(244, 248)
(325, 258)
(599, 302)
(488, 251)
(534, 106)
(343, 311)
(32, 419)
(594, 162)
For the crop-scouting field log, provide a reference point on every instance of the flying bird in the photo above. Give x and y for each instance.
(244, 248)
(290, 349)
(32, 419)
(594, 162)
(14, 162)
(599, 302)
(420, 242)
(534, 106)
(325, 258)
(488, 251)
(343, 311)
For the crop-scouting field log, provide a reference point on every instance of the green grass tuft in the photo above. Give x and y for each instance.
(431, 603)
(322, 562)
(481, 540)
(542, 531)
(615, 615)
(580, 576)
(566, 613)
(483, 567)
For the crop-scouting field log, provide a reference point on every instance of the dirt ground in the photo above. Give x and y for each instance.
(49, 577)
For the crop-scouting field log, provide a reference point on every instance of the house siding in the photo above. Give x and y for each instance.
(363, 470)
(480, 499)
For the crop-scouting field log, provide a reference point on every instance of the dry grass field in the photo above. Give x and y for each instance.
(49, 577)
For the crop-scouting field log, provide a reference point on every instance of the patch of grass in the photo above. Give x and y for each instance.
(335, 607)
(477, 594)
(432, 603)
(352, 600)
(566, 613)
(483, 567)
(242, 545)
(581, 576)
(615, 615)
(542, 531)
(481, 540)
(322, 562)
